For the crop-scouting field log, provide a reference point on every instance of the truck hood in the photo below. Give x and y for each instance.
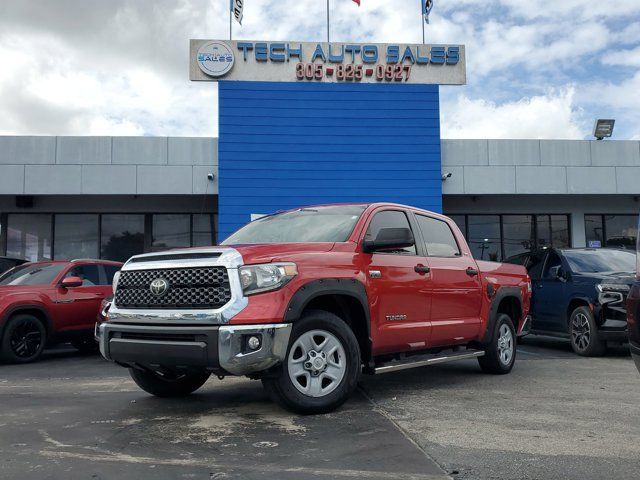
(269, 252)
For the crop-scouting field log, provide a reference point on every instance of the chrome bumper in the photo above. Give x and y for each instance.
(218, 348)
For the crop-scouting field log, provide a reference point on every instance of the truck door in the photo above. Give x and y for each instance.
(455, 286)
(398, 290)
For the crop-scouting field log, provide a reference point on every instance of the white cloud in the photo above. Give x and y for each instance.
(628, 58)
(546, 116)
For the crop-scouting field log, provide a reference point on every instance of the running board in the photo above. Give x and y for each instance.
(424, 360)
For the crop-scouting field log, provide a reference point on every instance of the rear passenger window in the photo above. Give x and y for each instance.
(390, 219)
(438, 237)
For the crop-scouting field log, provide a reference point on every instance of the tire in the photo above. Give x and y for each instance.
(500, 354)
(180, 386)
(23, 340)
(322, 365)
(86, 345)
(585, 340)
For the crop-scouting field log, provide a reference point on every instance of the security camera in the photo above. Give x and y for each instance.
(446, 175)
(210, 176)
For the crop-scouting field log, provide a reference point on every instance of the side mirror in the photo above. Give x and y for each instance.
(71, 282)
(390, 239)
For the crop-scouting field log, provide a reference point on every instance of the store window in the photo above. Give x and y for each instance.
(203, 229)
(29, 236)
(76, 236)
(614, 231)
(484, 236)
(518, 234)
(553, 230)
(171, 231)
(122, 236)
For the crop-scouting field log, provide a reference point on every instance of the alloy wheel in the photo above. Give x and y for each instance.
(317, 363)
(580, 331)
(26, 339)
(505, 345)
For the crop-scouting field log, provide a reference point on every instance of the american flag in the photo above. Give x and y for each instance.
(427, 5)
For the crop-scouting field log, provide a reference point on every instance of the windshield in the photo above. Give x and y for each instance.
(32, 274)
(597, 261)
(314, 224)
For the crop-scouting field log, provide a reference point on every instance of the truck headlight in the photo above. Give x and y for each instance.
(265, 277)
(114, 284)
(612, 287)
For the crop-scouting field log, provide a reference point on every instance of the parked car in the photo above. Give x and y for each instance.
(633, 312)
(303, 299)
(7, 263)
(580, 294)
(51, 301)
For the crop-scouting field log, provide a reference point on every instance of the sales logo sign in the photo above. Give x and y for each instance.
(212, 60)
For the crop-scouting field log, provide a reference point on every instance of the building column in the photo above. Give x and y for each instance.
(577, 230)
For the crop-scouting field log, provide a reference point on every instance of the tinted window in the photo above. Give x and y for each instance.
(438, 237)
(594, 229)
(122, 236)
(553, 230)
(29, 237)
(203, 230)
(484, 236)
(317, 224)
(34, 274)
(621, 231)
(389, 219)
(553, 261)
(76, 236)
(171, 231)
(90, 275)
(535, 263)
(596, 261)
(518, 234)
(110, 271)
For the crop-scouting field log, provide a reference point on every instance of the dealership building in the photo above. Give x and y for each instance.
(112, 197)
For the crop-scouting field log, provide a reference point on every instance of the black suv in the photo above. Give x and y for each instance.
(580, 294)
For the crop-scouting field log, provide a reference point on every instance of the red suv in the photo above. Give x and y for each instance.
(51, 301)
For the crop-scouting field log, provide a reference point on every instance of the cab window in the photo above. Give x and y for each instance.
(438, 237)
(90, 274)
(534, 265)
(390, 219)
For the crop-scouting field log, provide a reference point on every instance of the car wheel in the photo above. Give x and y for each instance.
(85, 345)
(585, 339)
(23, 340)
(169, 385)
(322, 365)
(500, 354)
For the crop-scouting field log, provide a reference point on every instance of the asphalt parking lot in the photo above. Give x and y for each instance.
(555, 416)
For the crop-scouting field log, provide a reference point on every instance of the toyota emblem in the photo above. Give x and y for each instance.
(159, 287)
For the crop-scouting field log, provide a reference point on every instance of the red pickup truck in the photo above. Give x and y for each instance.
(306, 300)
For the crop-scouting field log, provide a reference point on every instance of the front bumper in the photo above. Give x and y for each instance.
(222, 348)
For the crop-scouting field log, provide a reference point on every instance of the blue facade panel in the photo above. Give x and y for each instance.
(284, 145)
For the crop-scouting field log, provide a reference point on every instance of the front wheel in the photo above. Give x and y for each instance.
(169, 385)
(322, 365)
(500, 354)
(585, 340)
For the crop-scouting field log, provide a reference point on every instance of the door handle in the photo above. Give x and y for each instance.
(472, 272)
(422, 269)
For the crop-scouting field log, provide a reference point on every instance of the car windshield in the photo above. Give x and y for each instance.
(598, 261)
(313, 224)
(32, 274)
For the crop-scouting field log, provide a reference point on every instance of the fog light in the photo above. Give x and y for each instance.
(253, 343)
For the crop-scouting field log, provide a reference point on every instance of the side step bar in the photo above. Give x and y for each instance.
(424, 360)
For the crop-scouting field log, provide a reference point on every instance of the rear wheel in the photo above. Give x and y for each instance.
(169, 385)
(23, 340)
(322, 365)
(585, 340)
(500, 354)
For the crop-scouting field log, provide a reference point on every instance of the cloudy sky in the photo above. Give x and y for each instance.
(542, 69)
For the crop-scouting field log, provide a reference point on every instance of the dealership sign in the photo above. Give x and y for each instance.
(213, 60)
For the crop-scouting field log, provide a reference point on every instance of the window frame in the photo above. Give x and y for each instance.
(424, 240)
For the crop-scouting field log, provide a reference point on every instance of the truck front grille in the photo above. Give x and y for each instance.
(201, 287)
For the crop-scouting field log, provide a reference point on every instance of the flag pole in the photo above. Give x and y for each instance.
(230, 20)
(422, 20)
(328, 36)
